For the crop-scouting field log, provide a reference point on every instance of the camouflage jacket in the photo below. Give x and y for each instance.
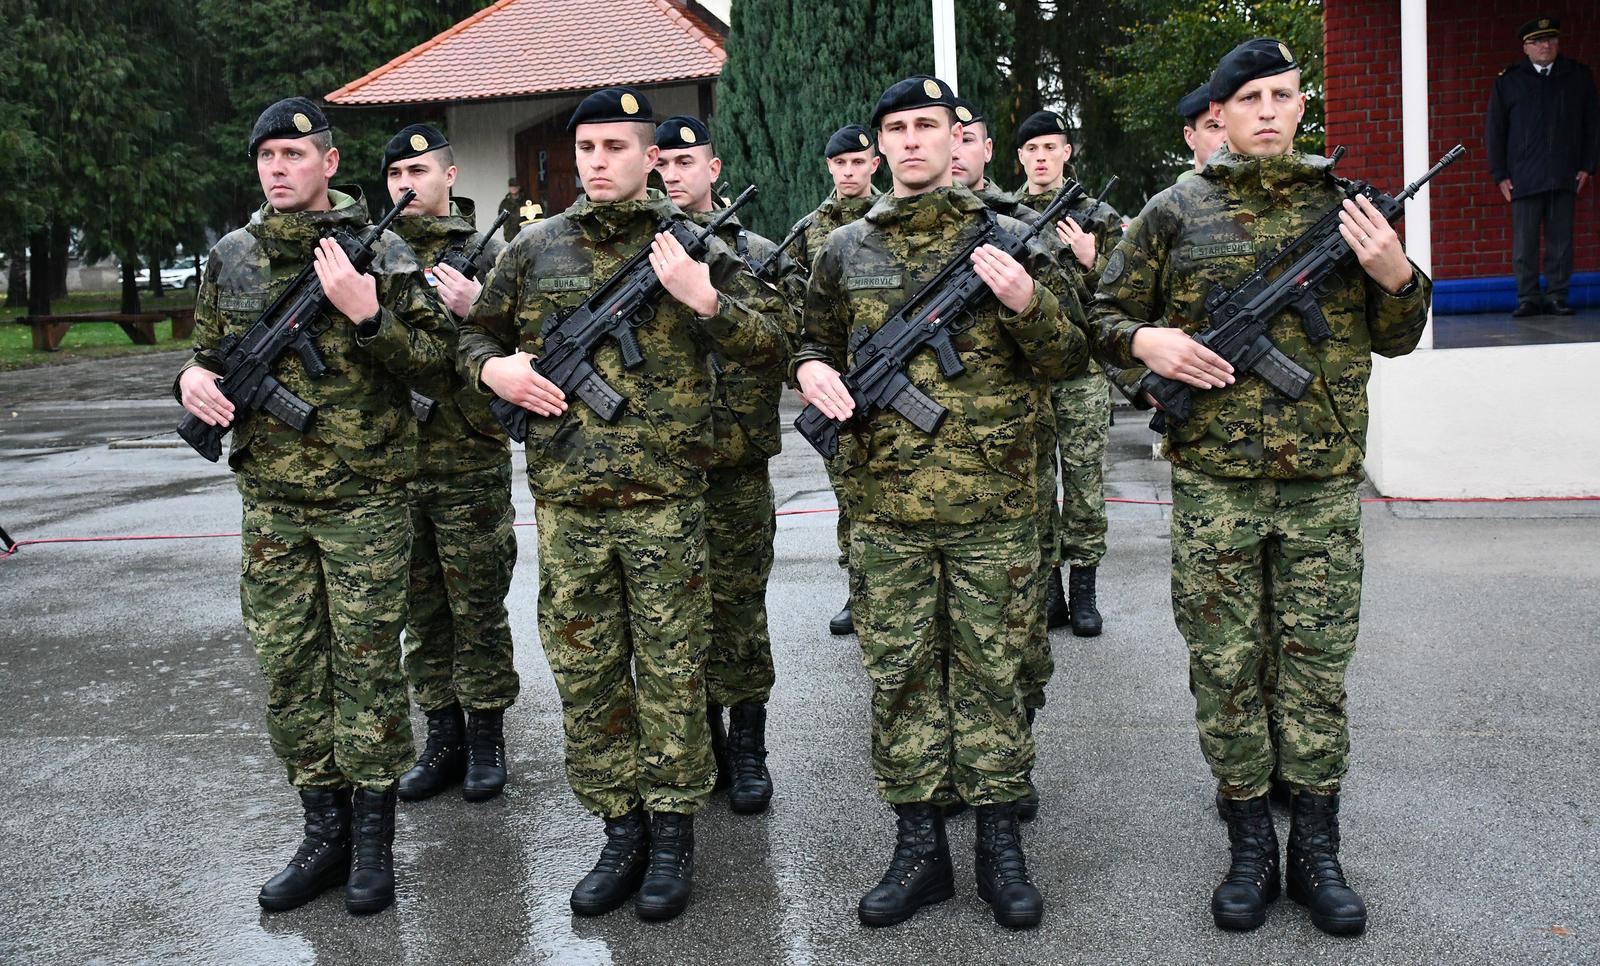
(744, 414)
(832, 213)
(1100, 218)
(1005, 203)
(661, 445)
(363, 426)
(980, 466)
(462, 436)
(1213, 230)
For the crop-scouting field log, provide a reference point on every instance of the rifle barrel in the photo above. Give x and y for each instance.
(1450, 158)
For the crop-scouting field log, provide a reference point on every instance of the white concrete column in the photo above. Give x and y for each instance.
(944, 43)
(1414, 138)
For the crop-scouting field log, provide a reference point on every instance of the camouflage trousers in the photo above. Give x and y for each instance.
(740, 527)
(943, 613)
(463, 549)
(1083, 421)
(841, 527)
(1038, 663)
(1263, 569)
(323, 592)
(624, 610)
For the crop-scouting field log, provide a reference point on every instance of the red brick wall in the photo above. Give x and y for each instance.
(1469, 42)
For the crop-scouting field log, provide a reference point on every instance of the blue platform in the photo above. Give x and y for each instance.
(1464, 296)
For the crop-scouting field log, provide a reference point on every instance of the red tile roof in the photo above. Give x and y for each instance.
(521, 48)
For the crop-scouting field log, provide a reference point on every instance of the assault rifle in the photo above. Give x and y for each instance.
(625, 302)
(1094, 204)
(286, 326)
(1239, 317)
(878, 380)
(422, 406)
(760, 271)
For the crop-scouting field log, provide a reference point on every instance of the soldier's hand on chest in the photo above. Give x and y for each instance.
(455, 290)
(685, 279)
(1005, 276)
(353, 293)
(513, 379)
(1376, 245)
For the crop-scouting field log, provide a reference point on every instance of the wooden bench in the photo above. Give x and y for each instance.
(48, 330)
(182, 323)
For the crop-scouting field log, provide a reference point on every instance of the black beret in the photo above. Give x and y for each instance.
(918, 90)
(413, 139)
(1251, 60)
(1194, 103)
(1539, 27)
(292, 117)
(966, 111)
(682, 131)
(1040, 122)
(611, 104)
(851, 137)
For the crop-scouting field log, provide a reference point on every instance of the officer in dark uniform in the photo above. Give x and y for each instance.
(1543, 134)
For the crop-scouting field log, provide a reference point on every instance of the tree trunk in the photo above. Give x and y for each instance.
(130, 286)
(17, 281)
(156, 288)
(59, 239)
(39, 265)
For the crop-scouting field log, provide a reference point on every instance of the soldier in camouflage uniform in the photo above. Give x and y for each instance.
(1082, 406)
(852, 161)
(458, 640)
(944, 548)
(624, 604)
(741, 520)
(1266, 524)
(1202, 130)
(326, 534)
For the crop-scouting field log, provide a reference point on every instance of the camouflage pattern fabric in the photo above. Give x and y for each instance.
(323, 591)
(1211, 230)
(1083, 421)
(1038, 661)
(741, 523)
(1266, 535)
(661, 445)
(943, 612)
(458, 637)
(1099, 218)
(980, 467)
(623, 612)
(831, 214)
(944, 555)
(363, 427)
(1265, 569)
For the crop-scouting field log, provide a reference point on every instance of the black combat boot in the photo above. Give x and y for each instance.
(371, 885)
(443, 761)
(747, 746)
(1002, 869)
(1251, 882)
(1081, 604)
(323, 859)
(842, 622)
(620, 870)
(719, 745)
(1315, 879)
(1560, 307)
(1055, 603)
(486, 756)
(919, 872)
(665, 890)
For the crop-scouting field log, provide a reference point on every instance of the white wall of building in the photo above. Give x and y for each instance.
(484, 136)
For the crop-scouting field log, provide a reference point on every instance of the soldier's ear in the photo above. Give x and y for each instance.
(330, 163)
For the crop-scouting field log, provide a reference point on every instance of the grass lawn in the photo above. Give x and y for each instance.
(96, 340)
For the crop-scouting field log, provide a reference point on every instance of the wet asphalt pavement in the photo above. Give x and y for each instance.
(143, 805)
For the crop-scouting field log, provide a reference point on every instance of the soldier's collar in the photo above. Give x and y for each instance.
(1277, 172)
(292, 233)
(940, 201)
(602, 220)
(422, 227)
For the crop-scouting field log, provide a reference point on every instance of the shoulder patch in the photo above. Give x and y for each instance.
(1114, 267)
(858, 282)
(566, 283)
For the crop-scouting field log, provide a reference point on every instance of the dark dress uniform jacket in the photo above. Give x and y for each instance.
(1543, 130)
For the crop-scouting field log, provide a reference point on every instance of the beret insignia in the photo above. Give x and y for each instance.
(302, 123)
(630, 104)
(419, 143)
(931, 88)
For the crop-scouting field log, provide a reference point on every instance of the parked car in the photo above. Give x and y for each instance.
(182, 275)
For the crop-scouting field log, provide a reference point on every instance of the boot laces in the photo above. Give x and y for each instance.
(373, 837)
(322, 833)
(1253, 847)
(915, 842)
(443, 738)
(1006, 858)
(1316, 850)
(623, 839)
(1080, 589)
(671, 851)
(485, 744)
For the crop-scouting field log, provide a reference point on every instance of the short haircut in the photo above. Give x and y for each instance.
(322, 141)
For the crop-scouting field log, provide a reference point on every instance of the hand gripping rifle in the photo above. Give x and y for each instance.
(625, 302)
(1239, 317)
(422, 406)
(1094, 204)
(878, 380)
(286, 326)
